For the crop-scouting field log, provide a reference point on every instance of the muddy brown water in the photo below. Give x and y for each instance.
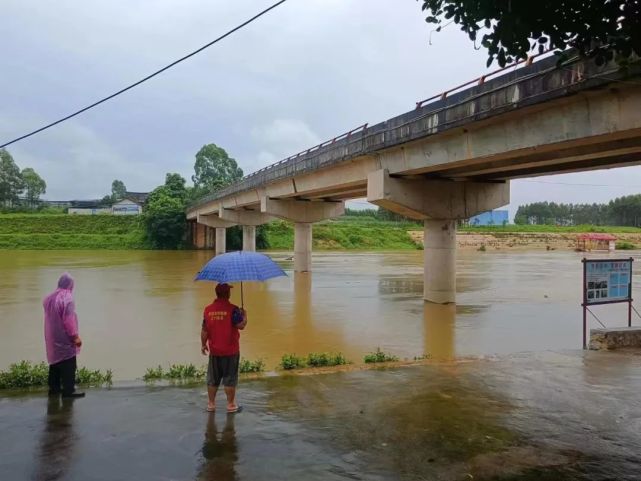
(139, 309)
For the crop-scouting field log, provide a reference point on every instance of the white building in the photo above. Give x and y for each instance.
(126, 207)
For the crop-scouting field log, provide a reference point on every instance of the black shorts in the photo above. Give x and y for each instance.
(223, 368)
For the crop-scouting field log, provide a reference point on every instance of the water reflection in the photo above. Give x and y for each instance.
(57, 441)
(439, 322)
(220, 452)
(400, 285)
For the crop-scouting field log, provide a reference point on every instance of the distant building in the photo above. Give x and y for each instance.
(126, 207)
(595, 242)
(494, 217)
(87, 207)
(138, 197)
(131, 204)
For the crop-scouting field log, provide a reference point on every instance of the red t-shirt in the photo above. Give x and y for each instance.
(222, 335)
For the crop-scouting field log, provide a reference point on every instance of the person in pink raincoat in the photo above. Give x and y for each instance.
(62, 339)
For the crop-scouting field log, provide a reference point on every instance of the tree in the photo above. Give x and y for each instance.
(164, 214)
(11, 184)
(165, 221)
(512, 29)
(118, 190)
(175, 184)
(214, 169)
(34, 185)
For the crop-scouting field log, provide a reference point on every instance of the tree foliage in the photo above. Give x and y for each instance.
(34, 185)
(622, 211)
(164, 214)
(11, 183)
(118, 190)
(214, 169)
(512, 29)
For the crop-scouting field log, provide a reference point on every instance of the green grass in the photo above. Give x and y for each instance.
(24, 375)
(38, 231)
(176, 372)
(189, 372)
(322, 359)
(351, 234)
(247, 366)
(292, 361)
(625, 246)
(379, 356)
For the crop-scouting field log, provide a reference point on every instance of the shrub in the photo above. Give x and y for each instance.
(185, 371)
(625, 246)
(153, 374)
(176, 372)
(292, 361)
(251, 366)
(24, 374)
(86, 377)
(379, 356)
(319, 359)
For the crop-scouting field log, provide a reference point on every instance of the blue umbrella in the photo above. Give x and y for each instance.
(238, 267)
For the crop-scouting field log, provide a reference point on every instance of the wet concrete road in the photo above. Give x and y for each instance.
(548, 416)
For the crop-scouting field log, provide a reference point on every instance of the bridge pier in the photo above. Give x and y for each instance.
(302, 247)
(439, 203)
(221, 230)
(249, 238)
(303, 213)
(439, 260)
(221, 240)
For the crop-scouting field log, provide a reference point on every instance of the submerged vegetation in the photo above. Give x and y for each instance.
(292, 361)
(379, 356)
(313, 359)
(189, 372)
(24, 374)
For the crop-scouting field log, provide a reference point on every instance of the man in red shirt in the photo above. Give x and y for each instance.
(222, 323)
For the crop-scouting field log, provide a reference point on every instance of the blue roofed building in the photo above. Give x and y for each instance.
(494, 217)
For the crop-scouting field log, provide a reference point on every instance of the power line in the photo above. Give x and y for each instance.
(148, 77)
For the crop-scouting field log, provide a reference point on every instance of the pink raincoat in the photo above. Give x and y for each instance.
(61, 322)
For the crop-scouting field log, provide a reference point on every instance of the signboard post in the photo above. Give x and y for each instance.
(606, 281)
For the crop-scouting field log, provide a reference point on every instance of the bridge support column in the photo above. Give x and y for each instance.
(249, 238)
(221, 230)
(303, 213)
(302, 247)
(221, 240)
(439, 237)
(438, 203)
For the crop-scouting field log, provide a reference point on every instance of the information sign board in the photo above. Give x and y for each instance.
(606, 281)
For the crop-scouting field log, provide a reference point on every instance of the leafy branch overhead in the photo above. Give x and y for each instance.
(513, 29)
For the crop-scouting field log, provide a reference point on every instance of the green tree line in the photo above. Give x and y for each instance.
(622, 211)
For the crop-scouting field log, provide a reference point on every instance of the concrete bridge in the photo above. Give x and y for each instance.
(449, 158)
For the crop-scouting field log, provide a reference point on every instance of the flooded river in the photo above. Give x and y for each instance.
(138, 309)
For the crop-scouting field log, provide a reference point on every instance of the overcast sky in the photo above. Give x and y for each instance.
(304, 73)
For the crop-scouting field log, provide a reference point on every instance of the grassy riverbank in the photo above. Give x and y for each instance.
(41, 232)
(345, 234)
(59, 232)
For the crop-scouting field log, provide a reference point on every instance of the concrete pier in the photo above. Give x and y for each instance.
(302, 247)
(249, 238)
(221, 240)
(440, 261)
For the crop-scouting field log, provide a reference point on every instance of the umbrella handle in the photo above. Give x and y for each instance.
(242, 301)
